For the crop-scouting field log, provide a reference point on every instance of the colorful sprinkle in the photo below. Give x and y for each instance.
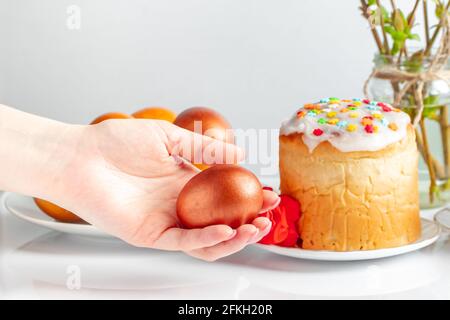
(384, 122)
(317, 132)
(353, 114)
(324, 100)
(311, 114)
(343, 110)
(385, 107)
(331, 114)
(322, 121)
(366, 121)
(309, 106)
(393, 126)
(377, 115)
(352, 108)
(342, 124)
(357, 103)
(352, 127)
(333, 121)
(366, 101)
(301, 114)
(369, 128)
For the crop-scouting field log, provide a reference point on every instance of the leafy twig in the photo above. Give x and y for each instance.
(412, 15)
(385, 40)
(428, 159)
(436, 31)
(438, 167)
(443, 123)
(364, 9)
(410, 21)
(394, 7)
(425, 18)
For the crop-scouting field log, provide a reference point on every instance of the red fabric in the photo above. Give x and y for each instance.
(284, 220)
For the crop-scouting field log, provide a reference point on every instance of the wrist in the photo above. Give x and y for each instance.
(34, 152)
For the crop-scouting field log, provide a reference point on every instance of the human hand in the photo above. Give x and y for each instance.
(124, 177)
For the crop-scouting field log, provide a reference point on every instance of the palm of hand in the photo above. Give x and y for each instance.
(129, 182)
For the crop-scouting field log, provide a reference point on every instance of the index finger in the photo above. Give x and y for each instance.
(199, 148)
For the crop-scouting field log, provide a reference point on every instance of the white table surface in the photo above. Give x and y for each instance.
(38, 263)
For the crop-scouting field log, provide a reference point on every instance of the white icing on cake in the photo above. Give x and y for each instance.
(348, 125)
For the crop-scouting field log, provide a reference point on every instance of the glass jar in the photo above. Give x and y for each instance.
(433, 130)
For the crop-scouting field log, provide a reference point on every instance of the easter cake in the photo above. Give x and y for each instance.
(352, 164)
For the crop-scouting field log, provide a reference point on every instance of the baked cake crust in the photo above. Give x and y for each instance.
(357, 200)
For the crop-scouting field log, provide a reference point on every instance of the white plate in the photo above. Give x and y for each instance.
(443, 218)
(430, 233)
(25, 208)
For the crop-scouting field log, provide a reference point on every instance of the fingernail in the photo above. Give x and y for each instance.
(232, 233)
(277, 202)
(255, 236)
(267, 226)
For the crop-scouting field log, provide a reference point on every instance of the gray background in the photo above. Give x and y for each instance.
(254, 60)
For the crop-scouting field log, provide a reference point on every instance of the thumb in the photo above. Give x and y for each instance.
(198, 148)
